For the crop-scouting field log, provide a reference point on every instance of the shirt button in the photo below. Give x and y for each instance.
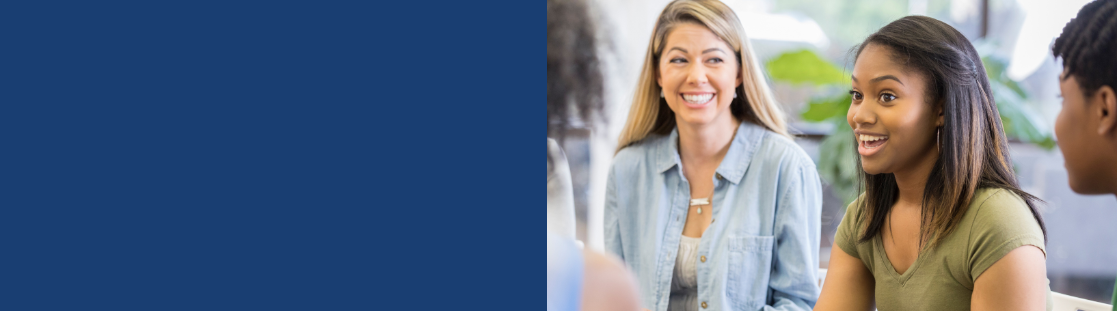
(720, 177)
(703, 258)
(703, 305)
(712, 220)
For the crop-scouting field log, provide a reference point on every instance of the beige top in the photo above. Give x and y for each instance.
(996, 222)
(684, 279)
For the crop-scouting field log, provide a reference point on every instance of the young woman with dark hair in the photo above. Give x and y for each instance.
(942, 223)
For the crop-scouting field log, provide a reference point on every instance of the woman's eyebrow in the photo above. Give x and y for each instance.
(712, 50)
(886, 77)
(703, 52)
(880, 78)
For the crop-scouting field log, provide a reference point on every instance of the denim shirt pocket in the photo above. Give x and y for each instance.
(750, 265)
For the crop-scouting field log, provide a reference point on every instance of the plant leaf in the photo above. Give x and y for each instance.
(822, 109)
(804, 66)
(1019, 121)
(837, 164)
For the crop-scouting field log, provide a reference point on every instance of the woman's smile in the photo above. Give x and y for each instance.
(869, 144)
(697, 99)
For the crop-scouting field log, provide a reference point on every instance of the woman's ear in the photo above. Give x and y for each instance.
(1105, 107)
(939, 115)
(655, 71)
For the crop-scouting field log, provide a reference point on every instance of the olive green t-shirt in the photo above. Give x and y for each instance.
(942, 278)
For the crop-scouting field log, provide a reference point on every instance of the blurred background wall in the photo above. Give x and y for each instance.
(1014, 38)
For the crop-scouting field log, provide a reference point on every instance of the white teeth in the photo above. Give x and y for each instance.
(871, 138)
(698, 99)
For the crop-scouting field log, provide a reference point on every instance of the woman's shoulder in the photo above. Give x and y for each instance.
(850, 230)
(999, 220)
(996, 201)
(780, 148)
(853, 210)
(1000, 211)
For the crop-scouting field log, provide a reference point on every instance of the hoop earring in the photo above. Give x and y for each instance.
(938, 136)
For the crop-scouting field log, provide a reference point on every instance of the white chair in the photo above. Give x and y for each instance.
(1070, 303)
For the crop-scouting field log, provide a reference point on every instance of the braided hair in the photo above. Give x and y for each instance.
(1088, 46)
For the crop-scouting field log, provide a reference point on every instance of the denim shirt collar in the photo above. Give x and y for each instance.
(736, 161)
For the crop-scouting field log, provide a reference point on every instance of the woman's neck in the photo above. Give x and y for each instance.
(913, 181)
(702, 145)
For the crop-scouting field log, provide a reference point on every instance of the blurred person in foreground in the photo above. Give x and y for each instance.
(1086, 127)
(577, 279)
(709, 199)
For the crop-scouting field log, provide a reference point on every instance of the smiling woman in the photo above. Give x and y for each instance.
(942, 224)
(752, 99)
(708, 200)
(694, 71)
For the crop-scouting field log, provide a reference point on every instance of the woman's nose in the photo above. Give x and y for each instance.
(697, 75)
(861, 114)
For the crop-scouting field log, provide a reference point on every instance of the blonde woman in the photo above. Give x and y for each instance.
(709, 201)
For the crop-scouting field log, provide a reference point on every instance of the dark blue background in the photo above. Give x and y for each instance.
(271, 155)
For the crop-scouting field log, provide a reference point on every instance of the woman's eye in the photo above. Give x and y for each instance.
(716, 60)
(856, 95)
(677, 60)
(885, 97)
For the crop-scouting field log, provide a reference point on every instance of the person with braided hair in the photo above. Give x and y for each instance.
(1086, 127)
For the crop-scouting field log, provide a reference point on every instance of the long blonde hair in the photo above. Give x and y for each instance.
(650, 113)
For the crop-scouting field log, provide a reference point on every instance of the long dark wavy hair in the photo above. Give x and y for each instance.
(973, 151)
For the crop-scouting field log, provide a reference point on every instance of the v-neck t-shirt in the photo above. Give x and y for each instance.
(942, 277)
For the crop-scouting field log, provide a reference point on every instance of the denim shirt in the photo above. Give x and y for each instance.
(762, 244)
